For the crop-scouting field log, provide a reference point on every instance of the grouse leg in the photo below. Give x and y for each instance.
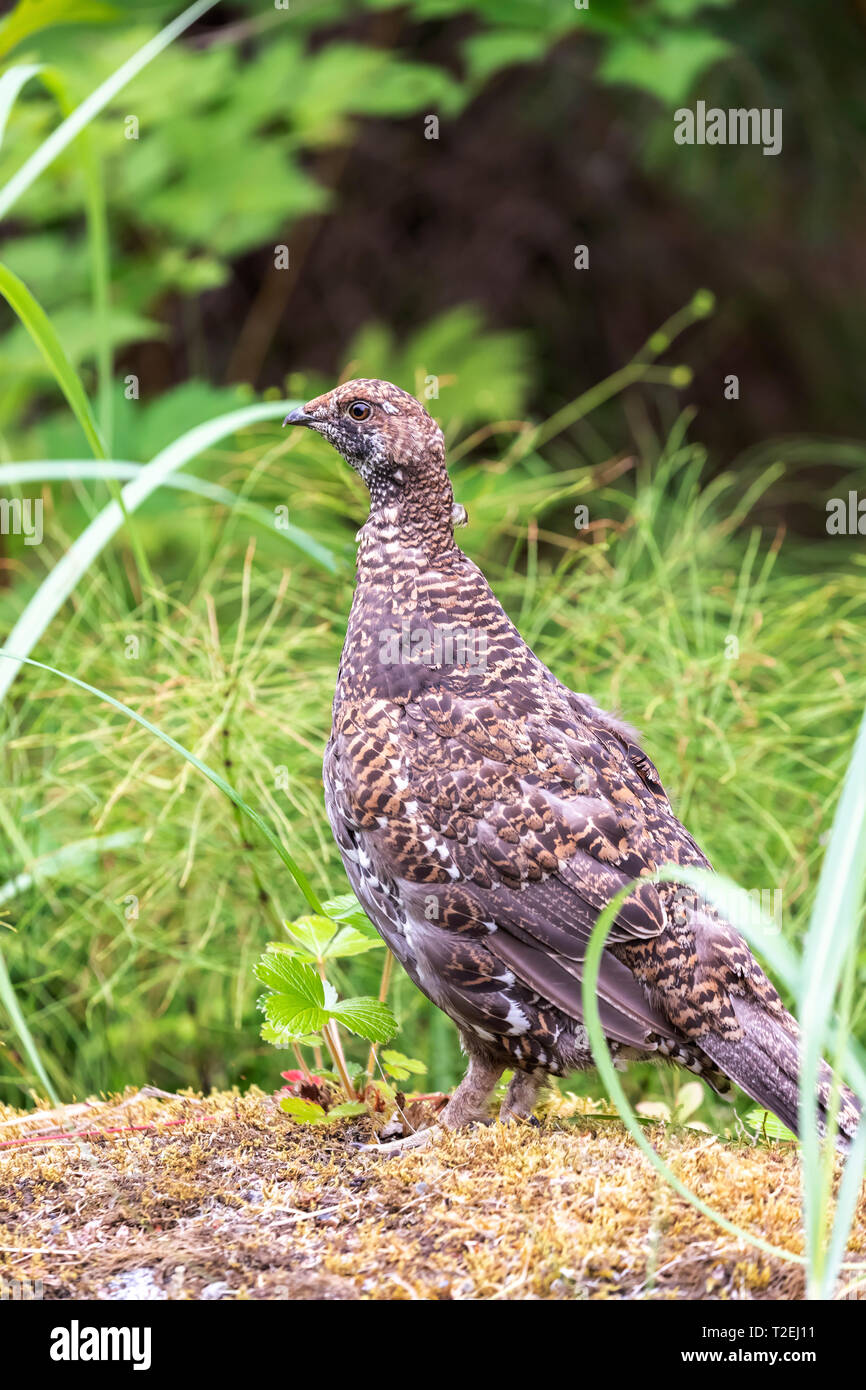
(520, 1097)
(468, 1105)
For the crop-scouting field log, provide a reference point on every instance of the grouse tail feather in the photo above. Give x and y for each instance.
(764, 1062)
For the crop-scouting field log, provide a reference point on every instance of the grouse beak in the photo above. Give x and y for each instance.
(299, 416)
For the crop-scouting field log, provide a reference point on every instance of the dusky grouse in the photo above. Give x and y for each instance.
(486, 814)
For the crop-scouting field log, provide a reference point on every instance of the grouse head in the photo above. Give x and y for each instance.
(388, 438)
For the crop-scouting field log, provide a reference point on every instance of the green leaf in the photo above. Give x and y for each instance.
(306, 1112)
(31, 16)
(147, 426)
(763, 1122)
(489, 52)
(480, 375)
(667, 68)
(398, 1073)
(368, 1018)
(346, 908)
(81, 117)
(349, 942)
(348, 1107)
(43, 333)
(21, 355)
(260, 188)
(302, 1001)
(401, 88)
(312, 934)
(283, 1037)
(353, 943)
(286, 975)
(687, 9)
(401, 1067)
(320, 938)
(290, 1014)
(278, 1037)
(385, 1089)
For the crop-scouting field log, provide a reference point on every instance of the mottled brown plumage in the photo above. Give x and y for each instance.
(486, 813)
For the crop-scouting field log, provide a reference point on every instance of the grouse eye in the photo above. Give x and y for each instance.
(360, 410)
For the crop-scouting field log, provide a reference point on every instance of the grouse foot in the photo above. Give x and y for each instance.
(520, 1098)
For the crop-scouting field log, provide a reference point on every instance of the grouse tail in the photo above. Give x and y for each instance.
(764, 1062)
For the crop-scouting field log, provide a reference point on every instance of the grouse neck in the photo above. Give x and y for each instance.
(411, 530)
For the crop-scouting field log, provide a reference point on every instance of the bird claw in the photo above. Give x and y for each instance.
(512, 1117)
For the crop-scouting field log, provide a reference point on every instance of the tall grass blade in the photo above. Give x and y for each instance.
(122, 470)
(60, 583)
(42, 331)
(607, 1072)
(81, 117)
(19, 1023)
(10, 85)
(97, 221)
(45, 866)
(736, 906)
(830, 942)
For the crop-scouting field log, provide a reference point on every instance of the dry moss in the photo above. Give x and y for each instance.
(226, 1197)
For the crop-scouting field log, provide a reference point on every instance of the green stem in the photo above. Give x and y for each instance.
(299, 1057)
(332, 1043)
(639, 369)
(384, 986)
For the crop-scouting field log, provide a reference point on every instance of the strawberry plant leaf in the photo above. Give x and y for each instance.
(348, 1107)
(345, 908)
(350, 942)
(368, 1018)
(294, 1016)
(312, 933)
(315, 938)
(401, 1066)
(284, 1037)
(307, 1112)
(277, 1037)
(284, 974)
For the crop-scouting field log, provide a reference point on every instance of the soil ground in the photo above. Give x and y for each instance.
(226, 1197)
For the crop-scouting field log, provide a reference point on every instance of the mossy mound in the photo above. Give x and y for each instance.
(151, 1196)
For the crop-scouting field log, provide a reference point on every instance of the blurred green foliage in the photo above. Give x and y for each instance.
(205, 155)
